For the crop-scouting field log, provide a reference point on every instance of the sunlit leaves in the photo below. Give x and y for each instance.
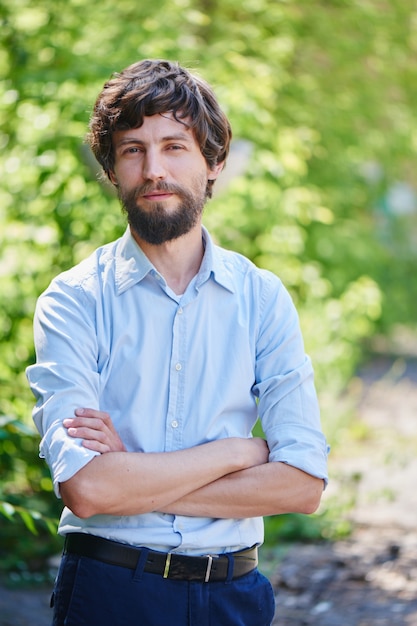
(315, 87)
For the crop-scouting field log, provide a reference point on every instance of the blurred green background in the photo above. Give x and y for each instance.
(319, 187)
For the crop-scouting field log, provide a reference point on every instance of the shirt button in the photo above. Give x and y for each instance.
(174, 424)
(180, 311)
(178, 367)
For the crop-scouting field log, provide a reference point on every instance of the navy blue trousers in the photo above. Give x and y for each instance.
(90, 593)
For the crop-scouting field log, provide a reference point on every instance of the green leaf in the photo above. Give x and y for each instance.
(27, 518)
(7, 510)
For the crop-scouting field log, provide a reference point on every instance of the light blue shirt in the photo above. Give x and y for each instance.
(172, 372)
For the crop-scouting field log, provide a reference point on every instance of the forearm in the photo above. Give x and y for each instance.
(128, 483)
(268, 489)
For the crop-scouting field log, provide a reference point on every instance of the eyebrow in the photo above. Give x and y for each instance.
(134, 140)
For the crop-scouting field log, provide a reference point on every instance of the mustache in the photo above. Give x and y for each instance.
(149, 187)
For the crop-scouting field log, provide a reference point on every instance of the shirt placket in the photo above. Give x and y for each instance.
(176, 385)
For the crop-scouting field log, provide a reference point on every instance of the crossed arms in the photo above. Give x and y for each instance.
(228, 478)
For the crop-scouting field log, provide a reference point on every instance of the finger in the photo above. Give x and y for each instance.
(87, 433)
(100, 417)
(86, 412)
(93, 423)
(96, 446)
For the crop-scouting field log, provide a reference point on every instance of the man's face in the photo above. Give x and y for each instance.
(161, 176)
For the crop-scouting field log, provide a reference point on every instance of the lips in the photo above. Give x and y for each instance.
(157, 195)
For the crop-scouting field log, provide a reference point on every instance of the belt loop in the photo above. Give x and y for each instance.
(230, 568)
(208, 568)
(140, 567)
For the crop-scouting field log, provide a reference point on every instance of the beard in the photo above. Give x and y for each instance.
(156, 224)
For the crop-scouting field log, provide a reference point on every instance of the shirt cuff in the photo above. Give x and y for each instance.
(302, 447)
(65, 455)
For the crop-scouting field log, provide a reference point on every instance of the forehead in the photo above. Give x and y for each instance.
(156, 129)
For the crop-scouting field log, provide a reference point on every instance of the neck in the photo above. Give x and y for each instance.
(179, 260)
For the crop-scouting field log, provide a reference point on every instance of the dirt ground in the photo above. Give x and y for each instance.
(369, 579)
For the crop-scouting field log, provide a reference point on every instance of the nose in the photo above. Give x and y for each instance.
(153, 167)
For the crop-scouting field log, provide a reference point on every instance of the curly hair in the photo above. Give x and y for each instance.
(150, 87)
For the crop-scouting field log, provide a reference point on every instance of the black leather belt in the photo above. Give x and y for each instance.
(210, 568)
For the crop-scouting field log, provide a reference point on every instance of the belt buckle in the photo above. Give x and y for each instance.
(208, 568)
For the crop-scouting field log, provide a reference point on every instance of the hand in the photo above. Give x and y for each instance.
(259, 450)
(247, 452)
(96, 429)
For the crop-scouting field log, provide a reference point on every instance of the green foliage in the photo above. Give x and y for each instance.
(29, 518)
(28, 513)
(322, 90)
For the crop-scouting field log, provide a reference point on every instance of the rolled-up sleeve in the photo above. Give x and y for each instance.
(288, 405)
(65, 375)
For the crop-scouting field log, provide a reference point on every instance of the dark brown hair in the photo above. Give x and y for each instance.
(150, 87)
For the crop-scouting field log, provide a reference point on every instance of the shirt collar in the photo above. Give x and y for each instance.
(214, 264)
(132, 265)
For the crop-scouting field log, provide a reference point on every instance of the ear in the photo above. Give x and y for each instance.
(112, 178)
(215, 171)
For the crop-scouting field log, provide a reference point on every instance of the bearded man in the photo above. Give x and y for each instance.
(155, 358)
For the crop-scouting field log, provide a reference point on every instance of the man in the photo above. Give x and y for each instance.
(155, 357)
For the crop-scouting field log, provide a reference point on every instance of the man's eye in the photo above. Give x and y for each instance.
(132, 150)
